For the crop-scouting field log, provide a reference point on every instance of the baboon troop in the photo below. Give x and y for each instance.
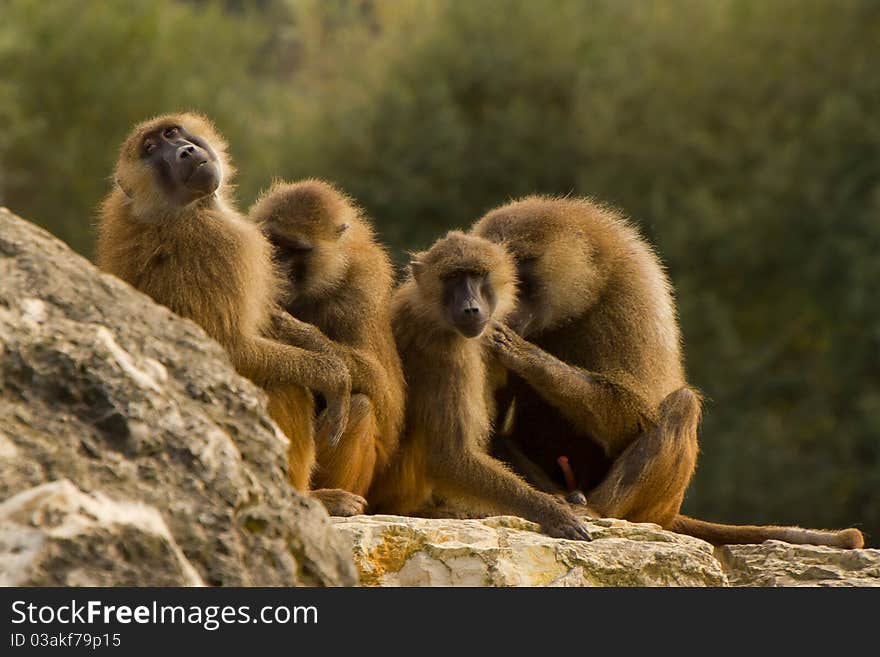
(530, 366)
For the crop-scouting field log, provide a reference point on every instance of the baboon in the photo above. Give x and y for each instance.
(455, 291)
(596, 372)
(339, 279)
(169, 228)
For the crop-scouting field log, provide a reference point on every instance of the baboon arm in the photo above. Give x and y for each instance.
(290, 330)
(268, 363)
(367, 375)
(595, 403)
(481, 479)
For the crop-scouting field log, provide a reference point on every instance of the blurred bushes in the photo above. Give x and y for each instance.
(742, 135)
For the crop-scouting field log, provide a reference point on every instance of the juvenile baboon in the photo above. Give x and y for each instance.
(169, 228)
(456, 289)
(339, 279)
(597, 377)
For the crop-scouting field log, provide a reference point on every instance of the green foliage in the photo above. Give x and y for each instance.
(78, 75)
(742, 135)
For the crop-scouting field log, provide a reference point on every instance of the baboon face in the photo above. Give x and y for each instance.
(312, 261)
(532, 308)
(466, 281)
(293, 252)
(308, 225)
(528, 296)
(469, 301)
(184, 164)
(169, 162)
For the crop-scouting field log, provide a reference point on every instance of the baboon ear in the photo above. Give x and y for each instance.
(341, 228)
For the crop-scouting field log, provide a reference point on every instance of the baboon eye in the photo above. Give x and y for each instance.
(171, 133)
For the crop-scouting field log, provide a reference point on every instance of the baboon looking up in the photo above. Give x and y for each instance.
(170, 229)
(457, 289)
(339, 279)
(597, 378)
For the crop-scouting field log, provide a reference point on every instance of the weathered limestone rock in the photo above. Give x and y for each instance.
(509, 551)
(102, 387)
(56, 535)
(774, 563)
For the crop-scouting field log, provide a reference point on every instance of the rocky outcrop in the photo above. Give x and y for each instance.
(55, 534)
(774, 563)
(127, 441)
(507, 551)
(132, 454)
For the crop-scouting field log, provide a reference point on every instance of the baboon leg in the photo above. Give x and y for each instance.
(648, 480)
(349, 465)
(402, 487)
(292, 407)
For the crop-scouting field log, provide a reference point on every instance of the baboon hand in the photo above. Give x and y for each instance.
(301, 334)
(506, 344)
(566, 525)
(335, 385)
(333, 420)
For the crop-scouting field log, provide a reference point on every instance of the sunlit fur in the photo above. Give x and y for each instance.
(347, 294)
(442, 459)
(616, 403)
(597, 277)
(448, 392)
(456, 253)
(134, 179)
(204, 261)
(318, 212)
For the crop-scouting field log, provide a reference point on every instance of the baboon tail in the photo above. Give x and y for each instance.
(718, 534)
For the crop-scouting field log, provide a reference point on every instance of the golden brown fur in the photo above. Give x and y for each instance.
(596, 369)
(341, 285)
(204, 261)
(443, 455)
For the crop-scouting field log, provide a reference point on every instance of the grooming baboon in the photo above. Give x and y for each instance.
(339, 279)
(600, 381)
(457, 288)
(170, 229)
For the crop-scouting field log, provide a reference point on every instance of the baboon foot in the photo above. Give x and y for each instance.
(340, 502)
